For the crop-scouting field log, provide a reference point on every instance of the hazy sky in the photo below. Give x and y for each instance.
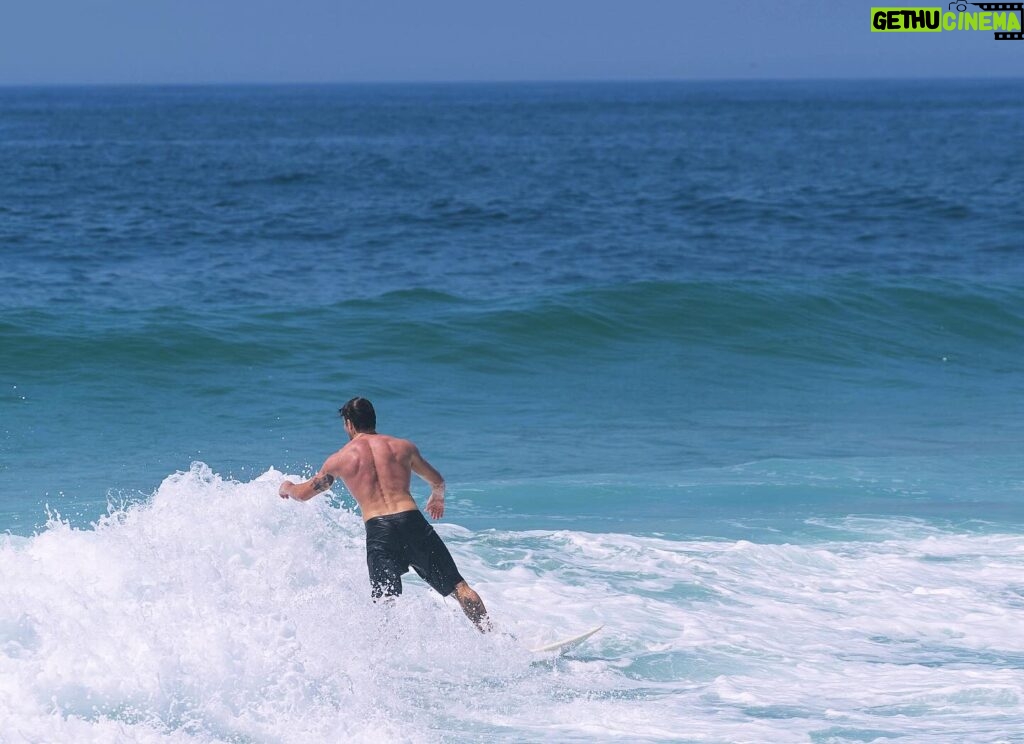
(183, 41)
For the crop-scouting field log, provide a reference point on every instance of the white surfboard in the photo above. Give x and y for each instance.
(567, 644)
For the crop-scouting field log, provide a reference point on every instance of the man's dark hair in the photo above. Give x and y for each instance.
(360, 412)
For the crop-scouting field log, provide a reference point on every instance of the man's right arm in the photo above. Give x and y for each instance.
(426, 471)
(305, 491)
(320, 482)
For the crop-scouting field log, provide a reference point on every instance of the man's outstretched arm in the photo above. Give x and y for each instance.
(307, 490)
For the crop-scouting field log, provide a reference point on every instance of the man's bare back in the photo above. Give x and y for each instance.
(377, 470)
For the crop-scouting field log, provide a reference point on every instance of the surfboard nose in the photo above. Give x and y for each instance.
(567, 644)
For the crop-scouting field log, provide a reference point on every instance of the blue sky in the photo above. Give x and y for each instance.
(247, 41)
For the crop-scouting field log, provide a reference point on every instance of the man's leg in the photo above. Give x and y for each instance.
(473, 606)
(385, 574)
(431, 559)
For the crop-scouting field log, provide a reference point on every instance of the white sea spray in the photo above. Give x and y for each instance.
(214, 611)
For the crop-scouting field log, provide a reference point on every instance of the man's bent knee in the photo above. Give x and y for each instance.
(463, 590)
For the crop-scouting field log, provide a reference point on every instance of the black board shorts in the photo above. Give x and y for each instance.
(396, 541)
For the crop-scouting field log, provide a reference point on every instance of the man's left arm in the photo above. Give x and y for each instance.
(426, 471)
(307, 490)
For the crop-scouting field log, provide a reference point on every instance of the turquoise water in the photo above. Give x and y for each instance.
(733, 369)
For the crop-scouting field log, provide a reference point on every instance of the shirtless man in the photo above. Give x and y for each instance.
(377, 469)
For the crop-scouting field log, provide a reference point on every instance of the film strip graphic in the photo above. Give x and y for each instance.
(1005, 35)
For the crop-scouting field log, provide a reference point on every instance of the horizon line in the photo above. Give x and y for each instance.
(525, 81)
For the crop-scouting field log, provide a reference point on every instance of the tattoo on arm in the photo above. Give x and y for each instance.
(323, 482)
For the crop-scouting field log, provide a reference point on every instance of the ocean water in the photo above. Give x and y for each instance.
(734, 369)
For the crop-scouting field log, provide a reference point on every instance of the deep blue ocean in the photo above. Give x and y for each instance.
(735, 369)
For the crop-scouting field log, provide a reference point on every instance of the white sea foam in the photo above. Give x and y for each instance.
(217, 612)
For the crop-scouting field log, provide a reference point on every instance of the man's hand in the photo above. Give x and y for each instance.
(285, 490)
(435, 505)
